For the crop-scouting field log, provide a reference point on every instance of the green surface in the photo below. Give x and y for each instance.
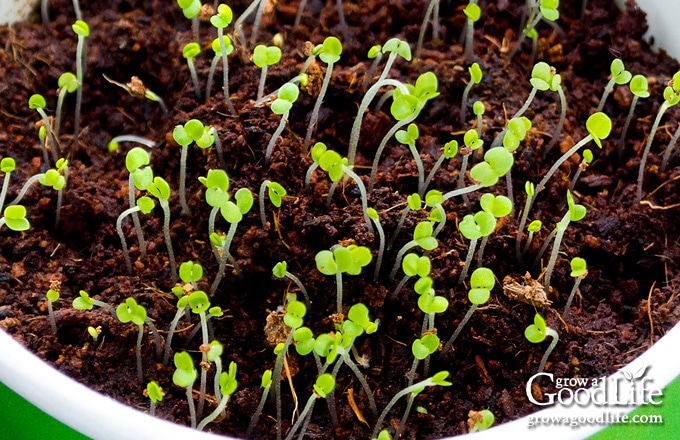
(20, 420)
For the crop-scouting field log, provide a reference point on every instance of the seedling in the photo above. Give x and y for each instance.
(529, 188)
(324, 385)
(434, 199)
(114, 144)
(130, 311)
(137, 89)
(480, 420)
(52, 178)
(221, 20)
(184, 377)
(497, 163)
(155, 394)
(141, 176)
(476, 76)
(533, 228)
(228, 385)
(575, 213)
(640, 89)
(579, 271)
(619, 76)
(145, 205)
(81, 29)
(160, 189)
(265, 384)
(317, 151)
(482, 282)
(217, 49)
(412, 265)
(37, 102)
(263, 57)
(448, 152)
(7, 166)
(671, 96)
(422, 237)
(669, 150)
(190, 273)
(350, 260)
(413, 203)
(280, 270)
(288, 94)
(395, 47)
(374, 53)
(190, 9)
(276, 194)
(191, 51)
(472, 143)
(408, 137)
(192, 131)
(328, 52)
(14, 217)
(373, 215)
(499, 207)
(536, 333)
(68, 83)
(94, 333)
(86, 302)
(438, 379)
(216, 195)
(473, 13)
(548, 10)
(52, 296)
(586, 159)
(474, 227)
(199, 305)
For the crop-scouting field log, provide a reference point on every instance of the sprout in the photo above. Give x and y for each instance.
(221, 20)
(52, 296)
(473, 13)
(373, 215)
(482, 282)
(498, 206)
(329, 52)
(191, 51)
(413, 203)
(68, 83)
(339, 259)
(579, 271)
(217, 49)
(280, 270)
(192, 131)
(476, 76)
(480, 420)
(422, 237)
(94, 333)
(497, 163)
(189, 273)
(263, 57)
(228, 385)
(317, 151)
(288, 94)
(408, 137)
(266, 384)
(7, 166)
(145, 205)
(324, 385)
(185, 376)
(160, 189)
(533, 228)
(413, 265)
(276, 194)
(640, 89)
(141, 176)
(85, 302)
(37, 102)
(536, 333)
(114, 143)
(191, 9)
(473, 227)
(547, 9)
(130, 311)
(137, 89)
(155, 394)
(448, 152)
(619, 76)
(671, 96)
(81, 29)
(585, 161)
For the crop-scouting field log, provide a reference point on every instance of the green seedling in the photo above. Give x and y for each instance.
(54, 178)
(280, 270)
(94, 333)
(130, 311)
(265, 384)
(434, 200)
(448, 152)
(68, 83)
(472, 143)
(499, 207)
(640, 89)
(350, 260)
(412, 265)
(383, 435)
(395, 47)
(220, 21)
(144, 205)
(374, 53)
(191, 10)
(329, 52)
(160, 189)
(192, 131)
(228, 385)
(405, 109)
(137, 89)
(529, 188)
(276, 194)
(52, 296)
(413, 203)
(548, 10)
(586, 160)
(337, 166)
(287, 96)
(263, 57)
(199, 305)
(438, 379)
(671, 96)
(408, 137)
(81, 29)
(217, 49)
(37, 102)
(579, 270)
(497, 163)
(474, 227)
(431, 16)
(238, 25)
(619, 75)
(141, 176)
(184, 376)
(422, 237)
(114, 144)
(473, 13)
(7, 166)
(478, 108)
(324, 385)
(190, 273)
(476, 76)
(536, 333)
(191, 51)
(533, 228)
(155, 394)
(373, 215)
(217, 196)
(482, 282)
(480, 420)
(317, 151)
(575, 213)
(86, 302)
(669, 150)
(233, 213)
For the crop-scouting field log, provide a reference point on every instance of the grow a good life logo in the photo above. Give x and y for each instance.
(619, 390)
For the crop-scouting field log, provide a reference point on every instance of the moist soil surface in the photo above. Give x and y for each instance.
(626, 302)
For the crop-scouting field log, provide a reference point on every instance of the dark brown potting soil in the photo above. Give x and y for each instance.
(626, 302)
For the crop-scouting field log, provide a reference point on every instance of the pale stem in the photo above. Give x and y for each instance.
(631, 111)
(135, 218)
(645, 153)
(561, 228)
(274, 138)
(119, 228)
(456, 333)
(571, 297)
(560, 124)
(183, 179)
(468, 260)
(317, 107)
(553, 344)
(168, 242)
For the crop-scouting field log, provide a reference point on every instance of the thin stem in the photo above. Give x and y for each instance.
(263, 77)
(469, 37)
(276, 378)
(669, 149)
(317, 107)
(213, 415)
(463, 101)
(433, 171)
(57, 115)
(121, 235)
(553, 344)
(53, 321)
(183, 180)
(461, 191)
(238, 25)
(389, 135)
(138, 352)
(608, 88)
(371, 71)
(364, 195)
(624, 131)
(298, 17)
(402, 219)
(482, 245)
(226, 255)
(204, 361)
(423, 29)
(560, 124)
(521, 38)
(362, 380)
(211, 74)
(468, 260)
(419, 166)
(76, 8)
(5, 187)
(561, 228)
(341, 19)
(192, 409)
(194, 78)
(225, 72)
(171, 333)
(310, 172)
(258, 19)
(407, 411)
(25, 188)
(571, 297)
(400, 286)
(544, 247)
(135, 218)
(645, 153)
(168, 242)
(381, 248)
(522, 223)
(274, 138)
(80, 73)
(263, 218)
(54, 146)
(258, 411)
(410, 245)
(304, 415)
(338, 282)
(456, 333)
(297, 281)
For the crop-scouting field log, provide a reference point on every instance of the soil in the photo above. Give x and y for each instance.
(626, 302)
